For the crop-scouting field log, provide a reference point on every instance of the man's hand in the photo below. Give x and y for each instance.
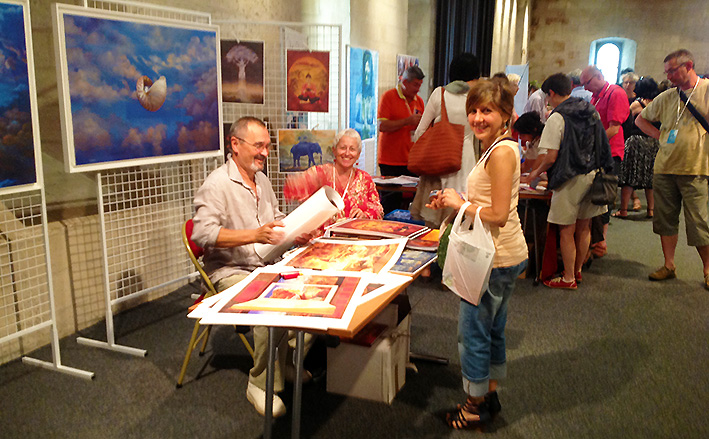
(414, 120)
(304, 238)
(270, 233)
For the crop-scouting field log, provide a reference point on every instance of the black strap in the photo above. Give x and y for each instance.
(697, 115)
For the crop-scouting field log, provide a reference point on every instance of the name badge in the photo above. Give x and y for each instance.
(672, 136)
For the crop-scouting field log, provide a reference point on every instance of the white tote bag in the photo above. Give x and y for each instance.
(469, 257)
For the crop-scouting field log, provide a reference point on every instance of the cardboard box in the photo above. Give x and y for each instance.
(376, 372)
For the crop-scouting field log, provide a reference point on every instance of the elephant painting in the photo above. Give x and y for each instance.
(305, 148)
(296, 144)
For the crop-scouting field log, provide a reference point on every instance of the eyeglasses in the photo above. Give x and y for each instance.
(260, 146)
(587, 82)
(673, 70)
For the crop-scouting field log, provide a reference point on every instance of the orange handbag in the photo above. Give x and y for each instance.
(440, 150)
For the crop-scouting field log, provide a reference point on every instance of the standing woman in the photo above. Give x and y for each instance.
(494, 185)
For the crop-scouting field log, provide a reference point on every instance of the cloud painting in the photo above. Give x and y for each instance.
(17, 154)
(242, 71)
(138, 91)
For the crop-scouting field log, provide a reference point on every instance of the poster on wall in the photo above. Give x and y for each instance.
(307, 81)
(300, 149)
(136, 90)
(242, 71)
(362, 82)
(19, 128)
(403, 62)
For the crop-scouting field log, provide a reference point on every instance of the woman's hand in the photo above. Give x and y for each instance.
(447, 198)
(356, 212)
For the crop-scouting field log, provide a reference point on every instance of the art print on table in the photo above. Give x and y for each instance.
(342, 255)
(413, 261)
(265, 297)
(307, 81)
(242, 71)
(136, 90)
(403, 62)
(362, 82)
(300, 149)
(374, 227)
(19, 133)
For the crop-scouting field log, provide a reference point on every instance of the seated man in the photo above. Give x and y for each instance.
(235, 208)
(571, 138)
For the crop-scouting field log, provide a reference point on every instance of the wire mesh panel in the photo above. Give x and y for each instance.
(150, 10)
(144, 209)
(25, 301)
(278, 38)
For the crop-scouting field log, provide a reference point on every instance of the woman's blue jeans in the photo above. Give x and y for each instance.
(481, 332)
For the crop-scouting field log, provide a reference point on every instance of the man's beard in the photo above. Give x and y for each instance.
(255, 167)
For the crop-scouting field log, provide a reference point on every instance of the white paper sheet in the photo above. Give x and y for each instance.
(310, 215)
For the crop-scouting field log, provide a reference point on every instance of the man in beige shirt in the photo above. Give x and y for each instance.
(682, 164)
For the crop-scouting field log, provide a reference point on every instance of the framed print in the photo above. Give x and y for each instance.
(242, 71)
(300, 149)
(307, 81)
(19, 126)
(362, 95)
(136, 90)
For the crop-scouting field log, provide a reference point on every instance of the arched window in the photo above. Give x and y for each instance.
(608, 61)
(612, 55)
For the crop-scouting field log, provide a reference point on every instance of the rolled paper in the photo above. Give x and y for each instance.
(310, 215)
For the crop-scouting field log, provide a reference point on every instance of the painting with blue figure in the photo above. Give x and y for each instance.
(17, 149)
(298, 150)
(363, 75)
(139, 92)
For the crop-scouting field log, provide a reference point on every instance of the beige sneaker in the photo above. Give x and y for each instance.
(257, 397)
(663, 273)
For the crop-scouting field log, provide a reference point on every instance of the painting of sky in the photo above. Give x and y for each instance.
(17, 159)
(140, 90)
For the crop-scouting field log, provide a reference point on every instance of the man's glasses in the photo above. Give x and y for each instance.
(260, 146)
(673, 70)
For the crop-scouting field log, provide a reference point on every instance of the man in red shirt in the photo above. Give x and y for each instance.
(611, 102)
(400, 111)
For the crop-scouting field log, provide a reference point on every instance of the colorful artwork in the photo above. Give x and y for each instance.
(381, 228)
(300, 149)
(363, 77)
(136, 90)
(310, 300)
(403, 62)
(242, 71)
(308, 81)
(413, 261)
(342, 255)
(18, 144)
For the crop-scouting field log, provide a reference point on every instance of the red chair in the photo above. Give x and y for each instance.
(195, 252)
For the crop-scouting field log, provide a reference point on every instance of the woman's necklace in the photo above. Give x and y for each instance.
(334, 181)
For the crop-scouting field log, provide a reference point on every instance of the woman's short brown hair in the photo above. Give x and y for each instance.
(492, 92)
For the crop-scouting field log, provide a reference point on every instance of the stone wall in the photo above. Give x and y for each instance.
(561, 32)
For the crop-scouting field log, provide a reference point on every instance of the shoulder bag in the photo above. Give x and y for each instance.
(439, 151)
(604, 188)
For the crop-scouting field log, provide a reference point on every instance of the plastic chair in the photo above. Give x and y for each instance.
(195, 253)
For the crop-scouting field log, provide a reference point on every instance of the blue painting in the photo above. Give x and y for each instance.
(138, 92)
(17, 151)
(364, 68)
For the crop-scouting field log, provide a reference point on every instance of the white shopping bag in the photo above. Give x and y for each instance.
(469, 257)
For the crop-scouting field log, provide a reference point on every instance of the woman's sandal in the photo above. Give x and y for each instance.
(637, 205)
(622, 214)
(650, 213)
(460, 419)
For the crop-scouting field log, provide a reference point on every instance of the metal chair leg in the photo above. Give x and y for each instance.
(190, 347)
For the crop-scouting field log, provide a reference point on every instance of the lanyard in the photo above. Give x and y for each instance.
(334, 181)
(679, 104)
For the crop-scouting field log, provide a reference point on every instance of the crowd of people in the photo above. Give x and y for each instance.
(573, 125)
